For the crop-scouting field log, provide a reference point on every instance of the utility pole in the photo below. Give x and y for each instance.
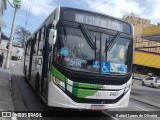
(11, 38)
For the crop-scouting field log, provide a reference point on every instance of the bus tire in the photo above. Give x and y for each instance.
(37, 85)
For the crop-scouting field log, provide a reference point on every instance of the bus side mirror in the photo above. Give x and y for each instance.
(52, 36)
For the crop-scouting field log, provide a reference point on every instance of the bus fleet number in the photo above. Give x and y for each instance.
(113, 93)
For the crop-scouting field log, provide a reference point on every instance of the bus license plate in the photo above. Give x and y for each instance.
(97, 107)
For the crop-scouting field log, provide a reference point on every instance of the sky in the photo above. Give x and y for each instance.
(33, 12)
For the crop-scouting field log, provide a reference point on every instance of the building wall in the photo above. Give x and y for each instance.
(147, 59)
(139, 24)
(144, 62)
(15, 51)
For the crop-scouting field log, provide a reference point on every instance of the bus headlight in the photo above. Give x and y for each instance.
(58, 82)
(128, 87)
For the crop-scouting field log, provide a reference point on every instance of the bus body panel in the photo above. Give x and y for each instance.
(56, 97)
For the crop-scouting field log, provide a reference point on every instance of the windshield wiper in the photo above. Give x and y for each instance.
(106, 48)
(95, 46)
(112, 42)
(87, 37)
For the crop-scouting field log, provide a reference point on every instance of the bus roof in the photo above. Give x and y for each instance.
(77, 9)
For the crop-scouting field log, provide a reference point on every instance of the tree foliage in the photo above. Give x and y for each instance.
(22, 34)
(3, 36)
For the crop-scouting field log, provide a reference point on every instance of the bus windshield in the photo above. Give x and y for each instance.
(73, 51)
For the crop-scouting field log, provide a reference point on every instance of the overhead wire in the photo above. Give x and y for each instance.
(116, 2)
(115, 5)
(28, 12)
(107, 3)
(11, 4)
(27, 5)
(101, 3)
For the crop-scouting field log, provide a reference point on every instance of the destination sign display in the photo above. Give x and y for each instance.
(99, 21)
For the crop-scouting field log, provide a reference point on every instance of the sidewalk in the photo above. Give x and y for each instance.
(6, 101)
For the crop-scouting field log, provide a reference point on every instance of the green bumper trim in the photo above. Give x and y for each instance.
(85, 85)
(82, 93)
(56, 73)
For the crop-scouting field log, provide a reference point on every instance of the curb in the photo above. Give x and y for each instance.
(17, 96)
(11, 89)
(10, 84)
(145, 102)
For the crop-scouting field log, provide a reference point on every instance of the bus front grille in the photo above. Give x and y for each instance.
(105, 81)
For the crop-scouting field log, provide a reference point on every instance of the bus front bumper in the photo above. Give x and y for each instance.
(57, 98)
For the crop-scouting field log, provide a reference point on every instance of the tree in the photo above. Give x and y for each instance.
(3, 36)
(22, 34)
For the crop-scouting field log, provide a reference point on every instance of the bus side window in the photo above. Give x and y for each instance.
(41, 41)
(37, 41)
(35, 46)
(28, 48)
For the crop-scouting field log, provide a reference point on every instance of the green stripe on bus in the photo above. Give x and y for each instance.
(56, 73)
(85, 85)
(82, 93)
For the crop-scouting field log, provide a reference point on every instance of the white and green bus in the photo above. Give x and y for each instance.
(80, 59)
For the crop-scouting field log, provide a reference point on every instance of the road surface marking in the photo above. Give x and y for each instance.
(110, 115)
(141, 108)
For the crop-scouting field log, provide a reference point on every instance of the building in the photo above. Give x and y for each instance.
(16, 49)
(3, 7)
(147, 52)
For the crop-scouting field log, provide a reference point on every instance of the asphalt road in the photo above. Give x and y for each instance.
(148, 94)
(26, 100)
